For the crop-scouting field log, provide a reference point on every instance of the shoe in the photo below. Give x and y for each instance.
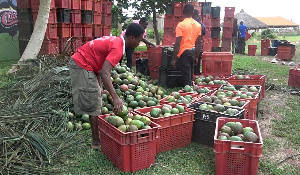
(95, 147)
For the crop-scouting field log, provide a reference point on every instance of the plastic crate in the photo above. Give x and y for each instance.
(76, 4)
(106, 30)
(215, 32)
(97, 30)
(216, 42)
(75, 16)
(22, 45)
(207, 45)
(215, 22)
(294, 77)
(167, 57)
(87, 30)
(225, 49)
(35, 4)
(169, 78)
(49, 46)
(86, 5)
(97, 18)
(76, 30)
(264, 52)
(64, 44)
(154, 56)
(97, 6)
(142, 66)
(87, 16)
(285, 53)
(205, 123)
(195, 97)
(107, 19)
(106, 6)
(51, 31)
(272, 51)
(216, 49)
(177, 20)
(63, 4)
(63, 15)
(178, 9)
(131, 151)
(24, 3)
(228, 23)
(52, 15)
(227, 32)
(232, 160)
(206, 8)
(252, 50)
(265, 43)
(226, 43)
(24, 15)
(154, 73)
(217, 63)
(169, 21)
(237, 87)
(215, 12)
(229, 12)
(86, 39)
(175, 131)
(206, 20)
(254, 80)
(77, 43)
(25, 29)
(64, 30)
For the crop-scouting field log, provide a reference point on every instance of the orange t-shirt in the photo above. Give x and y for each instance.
(189, 29)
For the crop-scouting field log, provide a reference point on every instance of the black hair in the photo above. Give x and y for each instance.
(135, 30)
(143, 20)
(196, 12)
(188, 9)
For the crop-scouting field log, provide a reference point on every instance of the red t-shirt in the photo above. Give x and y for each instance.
(92, 54)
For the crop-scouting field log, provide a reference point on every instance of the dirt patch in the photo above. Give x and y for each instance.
(282, 154)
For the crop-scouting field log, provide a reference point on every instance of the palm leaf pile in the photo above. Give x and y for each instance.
(33, 116)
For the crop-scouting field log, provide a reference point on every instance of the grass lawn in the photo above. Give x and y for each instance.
(279, 121)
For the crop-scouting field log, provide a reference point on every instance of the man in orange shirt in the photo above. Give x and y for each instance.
(188, 37)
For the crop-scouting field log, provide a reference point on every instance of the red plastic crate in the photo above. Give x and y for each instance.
(285, 53)
(77, 43)
(168, 40)
(252, 50)
(51, 31)
(206, 20)
(176, 130)
(97, 18)
(24, 3)
(195, 97)
(86, 39)
(49, 46)
(129, 151)
(75, 16)
(217, 63)
(35, 4)
(86, 5)
(76, 30)
(169, 21)
(154, 55)
(216, 42)
(106, 6)
(215, 22)
(225, 49)
(232, 160)
(178, 9)
(106, 19)
(87, 30)
(97, 30)
(177, 20)
(294, 77)
(226, 43)
(207, 45)
(254, 80)
(228, 23)
(154, 73)
(264, 51)
(63, 4)
(64, 30)
(76, 4)
(63, 46)
(229, 12)
(97, 6)
(106, 30)
(227, 32)
(265, 43)
(52, 15)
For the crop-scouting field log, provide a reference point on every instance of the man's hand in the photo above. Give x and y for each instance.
(174, 62)
(118, 105)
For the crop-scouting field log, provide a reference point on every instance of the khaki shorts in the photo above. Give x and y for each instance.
(86, 90)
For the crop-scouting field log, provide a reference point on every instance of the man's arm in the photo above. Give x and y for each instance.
(198, 47)
(176, 50)
(105, 76)
(148, 42)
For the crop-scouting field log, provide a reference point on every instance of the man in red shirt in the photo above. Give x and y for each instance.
(91, 65)
(187, 45)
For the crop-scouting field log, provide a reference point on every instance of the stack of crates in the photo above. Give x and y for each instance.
(216, 29)
(87, 19)
(97, 26)
(154, 61)
(169, 76)
(227, 29)
(206, 20)
(265, 44)
(27, 13)
(106, 17)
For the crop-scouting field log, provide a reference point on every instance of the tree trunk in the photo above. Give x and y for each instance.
(155, 25)
(36, 40)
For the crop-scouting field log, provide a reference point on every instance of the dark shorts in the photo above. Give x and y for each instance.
(86, 90)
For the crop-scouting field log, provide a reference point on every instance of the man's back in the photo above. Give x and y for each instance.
(243, 29)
